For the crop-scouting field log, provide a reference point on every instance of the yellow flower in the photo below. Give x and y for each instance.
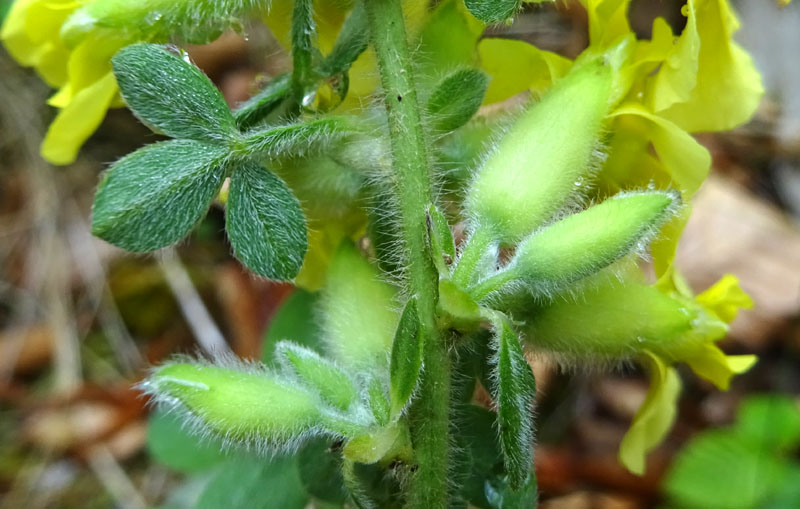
(82, 74)
(654, 419)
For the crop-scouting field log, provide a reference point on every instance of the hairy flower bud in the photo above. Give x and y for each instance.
(534, 168)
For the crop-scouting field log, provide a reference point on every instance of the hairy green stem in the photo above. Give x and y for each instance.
(430, 413)
(302, 48)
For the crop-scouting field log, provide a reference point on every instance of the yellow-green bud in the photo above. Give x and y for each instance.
(543, 159)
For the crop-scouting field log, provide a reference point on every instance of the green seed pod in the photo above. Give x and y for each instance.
(582, 244)
(251, 407)
(358, 312)
(535, 167)
(618, 321)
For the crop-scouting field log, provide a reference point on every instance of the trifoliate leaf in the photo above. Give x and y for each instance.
(406, 362)
(321, 375)
(771, 421)
(171, 94)
(514, 391)
(153, 197)
(456, 99)
(256, 483)
(265, 224)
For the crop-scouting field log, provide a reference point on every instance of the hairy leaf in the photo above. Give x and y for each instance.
(320, 465)
(153, 197)
(406, 361)
(456, 99)
(171, 94)
(514, 391)
(265, 224)
(493, 11)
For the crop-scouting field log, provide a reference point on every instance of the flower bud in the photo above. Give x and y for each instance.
(535, 167)
(582, 244)
(251, 408)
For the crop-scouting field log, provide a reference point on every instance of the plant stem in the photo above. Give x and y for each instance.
(430, 412)
(302, 48)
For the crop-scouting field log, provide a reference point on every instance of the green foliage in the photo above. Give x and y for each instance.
(172, 445)
(171, 95)
(746, 466)
(352, 41)
(406, 360)
(261, 104)
(294, 321)
(514, 390)
(256, 483)
(153, 197)
(442, 244)
(265, 224)
(456, 99)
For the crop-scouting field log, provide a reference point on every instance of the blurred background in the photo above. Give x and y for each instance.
(80, 321)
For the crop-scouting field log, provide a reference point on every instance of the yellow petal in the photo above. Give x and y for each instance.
(534, 69)
(677, 77)
(14, 35)
(75, 123)
(728, 87)
(90, 61)
(655, 417)
(709, 362)
(725, 298)
(685, 159)
(608, 21)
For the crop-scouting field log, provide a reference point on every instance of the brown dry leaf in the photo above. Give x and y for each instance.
(731, 231)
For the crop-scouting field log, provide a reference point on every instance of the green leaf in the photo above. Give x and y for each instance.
(153, 197)
(514, 391)
(171, 94)
(772, 421)
(265, 224)
(294, 321)
(333, 385)
(456, 99)
(320, 466)
(493, 11)
(297, 140)
(406, 362)
(478, 454)
(352, 41)
(255, 109)
(719, 470)
(382, 444)
(255, 483)
(172, 445)
(500, 495)
(440, 237)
